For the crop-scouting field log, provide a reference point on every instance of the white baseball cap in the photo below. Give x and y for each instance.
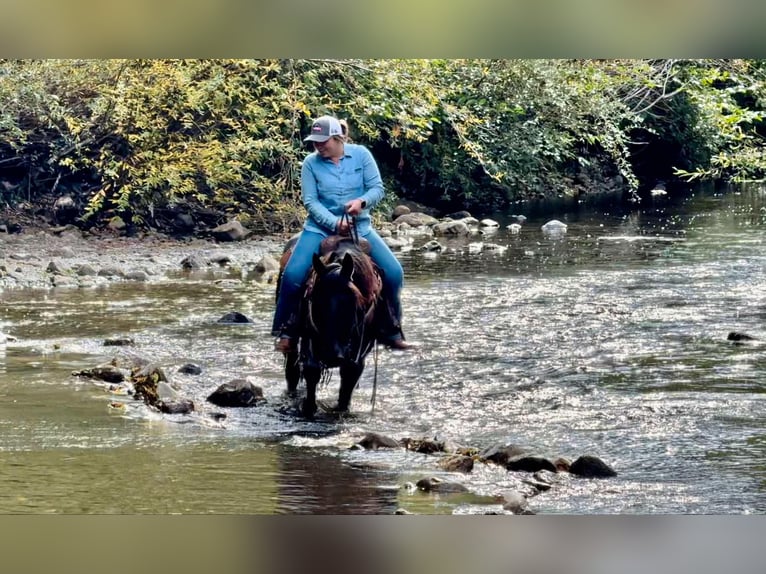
(323, 129)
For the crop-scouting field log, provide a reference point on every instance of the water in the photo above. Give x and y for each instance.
(610, 341)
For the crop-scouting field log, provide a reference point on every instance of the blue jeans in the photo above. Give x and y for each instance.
(297, 269)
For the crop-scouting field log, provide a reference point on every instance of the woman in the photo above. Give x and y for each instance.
(337, 178)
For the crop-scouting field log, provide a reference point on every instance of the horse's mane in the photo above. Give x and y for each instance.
(366, 278)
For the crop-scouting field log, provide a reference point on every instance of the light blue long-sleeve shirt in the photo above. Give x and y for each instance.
(327, 187)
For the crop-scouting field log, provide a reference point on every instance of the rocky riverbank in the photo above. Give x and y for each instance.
(46, 257)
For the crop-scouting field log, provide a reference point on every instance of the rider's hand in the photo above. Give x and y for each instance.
(342, 227)
(355, 207)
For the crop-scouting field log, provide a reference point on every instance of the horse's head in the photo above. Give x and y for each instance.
(341, 301)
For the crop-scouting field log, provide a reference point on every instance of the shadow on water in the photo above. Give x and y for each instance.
(610, 340)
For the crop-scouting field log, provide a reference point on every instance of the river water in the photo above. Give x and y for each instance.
(610, 341)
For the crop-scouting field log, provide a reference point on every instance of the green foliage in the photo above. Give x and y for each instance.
(139, 138)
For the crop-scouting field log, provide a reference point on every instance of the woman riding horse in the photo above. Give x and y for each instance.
(339, 181)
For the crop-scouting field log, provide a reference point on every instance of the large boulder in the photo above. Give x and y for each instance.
(589, 466)
(400, 210)
(528, 463)
(230, 231)
(416, 219)
(237, 393)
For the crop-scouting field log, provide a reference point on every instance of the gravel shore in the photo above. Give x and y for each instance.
(66, 257)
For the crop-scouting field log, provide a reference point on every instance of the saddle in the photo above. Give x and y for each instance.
(338, 244)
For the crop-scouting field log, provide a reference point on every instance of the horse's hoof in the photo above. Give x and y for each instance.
(308, 410)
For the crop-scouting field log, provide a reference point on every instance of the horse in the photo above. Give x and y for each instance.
(337, 321)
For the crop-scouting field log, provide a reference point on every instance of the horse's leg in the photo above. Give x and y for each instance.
(311, 375)
(292, 373)
(349, 376)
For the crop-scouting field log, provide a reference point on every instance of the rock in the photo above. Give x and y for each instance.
(116, 223)
(230, 231)
(530, 464)
(176, 406)
(110, 271)
(64, 252)
(738, 337)
(234, 317)
(374, 441)
(85, 270)
(659, 189)
(515, 502)
(183, 222)
(395, 242)
(400, 210)
(63, 281)
(237, 393)
(554, 228)
(267, 264)
(416, 219)
(514, 228)
(119, 342)
(53, 267)
(425, 446)
(146, 378)
(193, 262)
(5, 338)
(456, 463)
(65, 210)
(432, 245)
(190, 369)
(435, 484)
(501, 454)
(166, 393)
(520, 218)
(458, 215)
(136, 275)
(589, 466)
(488, 223)
(538, 485)
(106, 373)
(458, 228)
(221, 260)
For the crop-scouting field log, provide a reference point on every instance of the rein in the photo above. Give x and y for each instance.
(354, 232)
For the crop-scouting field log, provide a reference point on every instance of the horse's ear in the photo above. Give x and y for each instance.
(319, 265)
(347, 267)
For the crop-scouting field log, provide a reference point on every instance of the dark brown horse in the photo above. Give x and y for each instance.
(338, 322)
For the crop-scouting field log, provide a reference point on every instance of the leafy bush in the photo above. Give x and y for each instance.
(145, 139)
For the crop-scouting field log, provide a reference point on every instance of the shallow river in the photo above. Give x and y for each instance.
(609, 341)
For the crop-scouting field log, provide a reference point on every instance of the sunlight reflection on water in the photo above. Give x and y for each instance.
(610, 341)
